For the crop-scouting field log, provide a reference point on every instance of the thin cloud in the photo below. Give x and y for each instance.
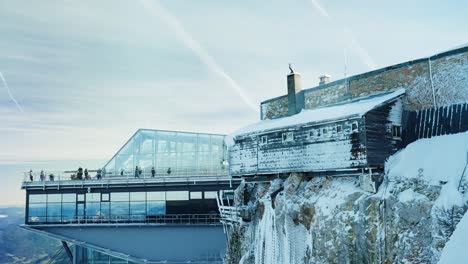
(9, 93)
(349, 38)
(321, 9)
(159, 11)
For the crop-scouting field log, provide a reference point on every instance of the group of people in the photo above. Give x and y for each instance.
(42, 176)
(139, 171)
(100, 173)
(84, 175)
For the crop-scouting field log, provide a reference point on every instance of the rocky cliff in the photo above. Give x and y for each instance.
(332, 220)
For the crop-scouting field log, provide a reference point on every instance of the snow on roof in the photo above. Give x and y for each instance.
(355, 108)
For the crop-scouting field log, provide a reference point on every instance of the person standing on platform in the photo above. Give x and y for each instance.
(31, 178)
(137, 172)
(79, 174)
(153, 172)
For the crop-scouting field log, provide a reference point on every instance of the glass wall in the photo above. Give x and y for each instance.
(170, 153)
(110, 206)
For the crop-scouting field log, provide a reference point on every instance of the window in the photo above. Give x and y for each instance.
(210, 195)
(120, 197)
(354, 127)
(80, 197)
(264, 139)
(288, 136)
(195, 195)
(396, 131)
(324, 131)
(311, 134)
(177, 196)
(156, 196)
(339, 128)
(105, 197)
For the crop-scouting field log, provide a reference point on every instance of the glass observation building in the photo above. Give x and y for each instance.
(162, 188)
(170, 152)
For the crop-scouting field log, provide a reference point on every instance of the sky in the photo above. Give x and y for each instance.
(82, 76)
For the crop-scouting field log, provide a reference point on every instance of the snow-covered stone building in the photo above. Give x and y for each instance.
(359, 134)
(353, 125)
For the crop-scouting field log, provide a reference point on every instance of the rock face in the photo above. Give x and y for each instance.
(325, 220)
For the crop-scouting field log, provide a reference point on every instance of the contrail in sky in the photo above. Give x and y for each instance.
(9, 93)
(361, 52)
(159, 11)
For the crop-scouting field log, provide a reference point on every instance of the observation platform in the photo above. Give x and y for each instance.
(161, 191)
(62, 181)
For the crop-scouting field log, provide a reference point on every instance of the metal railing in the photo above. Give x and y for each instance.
(193, 219)
(44, 177)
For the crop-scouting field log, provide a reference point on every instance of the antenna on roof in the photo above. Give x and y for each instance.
(292, 71)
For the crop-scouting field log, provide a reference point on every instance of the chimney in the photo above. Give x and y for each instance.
(294, 95)
(324, 79)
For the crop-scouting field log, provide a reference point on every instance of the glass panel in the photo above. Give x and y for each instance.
(120, 196)
(105, 209)
(204, 161)
(37, 198)
(137, 196)
(217, 143)
(164, 161)
(144, 142)
(69, 197)
(37, 210)
(54, 209)
(187, 162)
(166, 141)
(105, 197)
(177, 196)
(80, 209)
(203, 143)
(124, 162)
(156, 208)
(93, 209)
(156, 196)
(210, 195)
(195, 195)
(93, 197)
(54, 198)
(110, 168)
(119, 208)
(138, 208)
(81, 197)
(68, 211)
(144, 162)
(186, 142)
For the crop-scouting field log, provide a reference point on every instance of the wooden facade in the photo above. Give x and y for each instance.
(353, 141)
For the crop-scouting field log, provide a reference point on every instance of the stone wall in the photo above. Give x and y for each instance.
(449, 82)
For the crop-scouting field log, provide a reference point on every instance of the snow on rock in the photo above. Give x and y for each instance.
(455, 249)
(410, 195)
(434, 160)
(332, 220)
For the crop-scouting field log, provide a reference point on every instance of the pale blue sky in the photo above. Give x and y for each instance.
(89, 73)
